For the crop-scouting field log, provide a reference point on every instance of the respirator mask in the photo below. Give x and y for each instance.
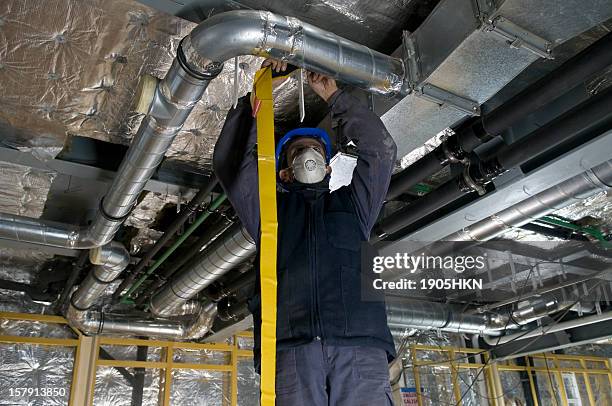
(309, 166)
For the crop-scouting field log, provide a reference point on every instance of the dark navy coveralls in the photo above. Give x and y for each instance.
(332, 346)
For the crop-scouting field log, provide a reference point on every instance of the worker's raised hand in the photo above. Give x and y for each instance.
(275, 64)
(322, 85)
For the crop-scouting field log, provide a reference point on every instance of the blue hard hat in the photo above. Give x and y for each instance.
(311, 132)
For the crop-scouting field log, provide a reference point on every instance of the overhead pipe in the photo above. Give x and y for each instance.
(229, 251)
(590, 116)
(544, 330)
(456, 148)
(425, 315)
(261, 33)
(578, 188)
(94, 323)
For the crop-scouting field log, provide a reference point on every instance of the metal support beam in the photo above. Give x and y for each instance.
(139, 377)
(90, 172)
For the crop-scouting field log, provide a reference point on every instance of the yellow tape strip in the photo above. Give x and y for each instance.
(267, 200)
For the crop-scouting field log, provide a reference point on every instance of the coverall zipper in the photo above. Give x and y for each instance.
(313, 270)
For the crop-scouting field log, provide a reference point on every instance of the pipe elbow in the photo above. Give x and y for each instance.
(261, 33)
(202, 323)
(83, 320)
(113, 256)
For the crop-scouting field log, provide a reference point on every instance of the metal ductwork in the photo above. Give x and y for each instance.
(597, 179)
(455, 67)
(437, 316)
(262, 33)
(93, 322)
(229, 251)
(109, 262)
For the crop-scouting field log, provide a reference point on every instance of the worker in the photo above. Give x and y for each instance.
(333, 342)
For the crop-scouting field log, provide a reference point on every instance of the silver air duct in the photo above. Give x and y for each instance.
(424, 315)
(230, 250)
(92, 322)
(261, 33)
(595, 180)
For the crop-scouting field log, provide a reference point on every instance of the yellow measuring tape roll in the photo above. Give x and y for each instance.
(266, 164)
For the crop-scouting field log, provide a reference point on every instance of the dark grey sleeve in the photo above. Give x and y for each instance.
(377, 153)
(235, 164)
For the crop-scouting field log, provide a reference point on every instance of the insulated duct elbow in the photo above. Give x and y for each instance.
(261, 33)
(109, 261)
(100, 323)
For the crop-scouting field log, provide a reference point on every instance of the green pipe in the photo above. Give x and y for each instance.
(566, 223)
(203, 216)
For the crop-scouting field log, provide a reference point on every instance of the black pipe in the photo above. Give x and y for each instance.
(218, 290)
(72, 280)
(432, 201)
(230, 310)
(139, 377)
(178, 222)
(421, 169)
(593, 116)
(572, 73)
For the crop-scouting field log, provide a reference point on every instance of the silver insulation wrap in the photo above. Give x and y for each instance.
(233, 248)
(226, 35)
(24, 189)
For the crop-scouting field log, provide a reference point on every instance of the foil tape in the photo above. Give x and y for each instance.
(21, 265)
(24, 189)
(35, 368)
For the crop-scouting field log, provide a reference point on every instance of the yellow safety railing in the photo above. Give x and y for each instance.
(547, 369)
(166, 363)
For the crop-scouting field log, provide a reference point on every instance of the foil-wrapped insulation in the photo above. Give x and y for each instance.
(72, 68)
(144, 240)
(24, 189)
(597, 207)
(377, 25)
(144, 214)
(19, 302)
(21, 265)
(200, 387)
(425, 149)
(130, 352)
(248, 383)
(37, 367)
(112, 389)
(27, 328)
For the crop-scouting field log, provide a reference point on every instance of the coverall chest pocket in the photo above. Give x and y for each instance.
(342, 231)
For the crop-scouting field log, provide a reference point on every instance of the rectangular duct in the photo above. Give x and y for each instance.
(463, 52)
